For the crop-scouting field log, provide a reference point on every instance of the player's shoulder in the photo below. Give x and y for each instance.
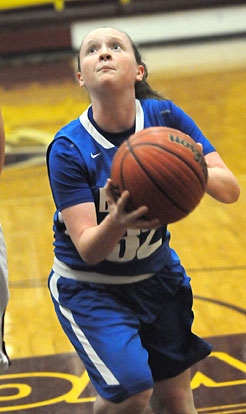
(63, 141)
(155, 103)
(69, 129)
(158, 105)
(159, 112)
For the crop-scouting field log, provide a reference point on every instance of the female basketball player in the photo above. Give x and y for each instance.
(119, 290)
(4, 291)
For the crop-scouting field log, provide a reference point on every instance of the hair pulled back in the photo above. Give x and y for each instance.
(142, 88)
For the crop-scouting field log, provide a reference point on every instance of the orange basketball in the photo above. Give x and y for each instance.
(163, 169)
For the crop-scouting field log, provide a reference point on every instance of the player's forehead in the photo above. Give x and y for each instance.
(105, 33)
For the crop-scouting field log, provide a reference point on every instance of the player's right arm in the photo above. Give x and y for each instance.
(2, 142)
(73, 197)
(95, 242)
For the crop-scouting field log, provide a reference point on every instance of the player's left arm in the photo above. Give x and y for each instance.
(2, 142)
(222, 184)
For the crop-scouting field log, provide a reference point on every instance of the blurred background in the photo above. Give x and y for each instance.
(195, 51)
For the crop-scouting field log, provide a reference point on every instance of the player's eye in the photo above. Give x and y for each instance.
(91, 50)
(116, 46)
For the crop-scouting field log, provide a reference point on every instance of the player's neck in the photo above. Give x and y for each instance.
(114, 116)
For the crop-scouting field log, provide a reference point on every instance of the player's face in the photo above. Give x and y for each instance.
(107, 61)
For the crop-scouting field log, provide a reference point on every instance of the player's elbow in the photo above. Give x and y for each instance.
(90, 256)
(222, 185)
(90, 260)
(233, 190)
(226, 195)
(233, 195)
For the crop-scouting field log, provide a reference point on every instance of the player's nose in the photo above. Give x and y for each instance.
(105, 53)
(105, 56)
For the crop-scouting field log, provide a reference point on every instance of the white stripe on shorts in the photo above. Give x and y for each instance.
(95, 359)
(63, 270)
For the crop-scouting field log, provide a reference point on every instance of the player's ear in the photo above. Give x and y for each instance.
(80, 79)
(140, 73)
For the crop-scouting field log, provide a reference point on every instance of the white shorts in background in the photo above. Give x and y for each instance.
(4, 297)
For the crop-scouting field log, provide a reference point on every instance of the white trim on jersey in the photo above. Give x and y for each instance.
(95, 359)
(84, 120)
(139, 117)
(93, 132)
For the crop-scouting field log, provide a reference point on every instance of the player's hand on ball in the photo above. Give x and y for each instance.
(201, 148)
(121, 217)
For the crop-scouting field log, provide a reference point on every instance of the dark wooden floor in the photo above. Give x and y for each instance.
(58, 383)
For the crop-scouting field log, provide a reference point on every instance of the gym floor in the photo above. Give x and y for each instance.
(46, 376)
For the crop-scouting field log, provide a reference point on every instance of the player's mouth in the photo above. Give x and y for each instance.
(105, 67)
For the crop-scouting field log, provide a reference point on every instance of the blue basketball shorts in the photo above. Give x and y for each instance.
(129, 336)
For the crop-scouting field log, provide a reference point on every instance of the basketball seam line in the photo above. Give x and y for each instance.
(153, 181)
(176, 155)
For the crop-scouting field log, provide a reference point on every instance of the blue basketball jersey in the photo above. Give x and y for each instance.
(79, 161)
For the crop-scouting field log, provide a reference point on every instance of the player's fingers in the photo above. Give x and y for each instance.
(122, 201)
(110, 193)
(201, 146)
(207, 163)
(137, 215)
(109, 187)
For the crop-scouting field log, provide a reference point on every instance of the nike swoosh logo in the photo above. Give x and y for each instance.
(95, 155)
